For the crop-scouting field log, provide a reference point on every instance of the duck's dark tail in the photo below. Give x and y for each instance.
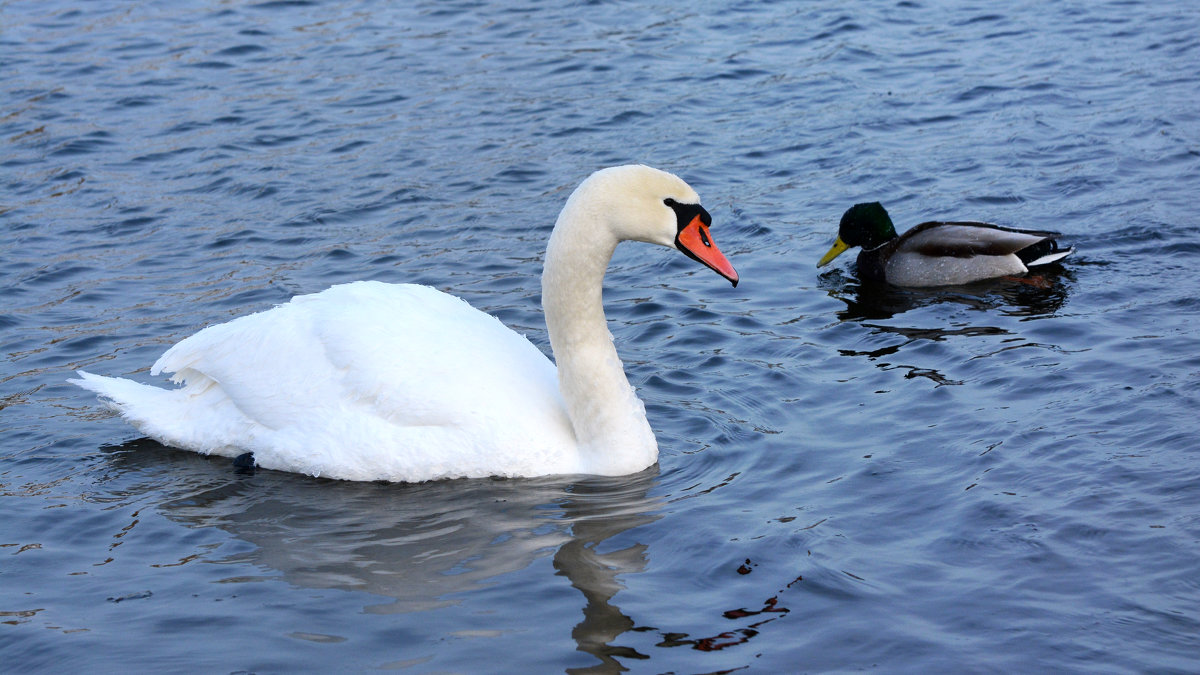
(1044, 252)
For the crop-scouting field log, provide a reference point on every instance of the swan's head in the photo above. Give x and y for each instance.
(641, 203)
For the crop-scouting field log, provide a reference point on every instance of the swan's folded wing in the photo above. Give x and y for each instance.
(422, 357)
(397, 353)
(268, 364)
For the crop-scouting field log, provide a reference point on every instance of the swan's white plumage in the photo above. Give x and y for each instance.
(312, 387)
(399, 382)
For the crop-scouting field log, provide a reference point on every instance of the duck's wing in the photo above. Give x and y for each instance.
(966, 239)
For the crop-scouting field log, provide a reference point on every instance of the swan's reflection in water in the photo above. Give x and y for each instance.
(595, 574)
(423, 546)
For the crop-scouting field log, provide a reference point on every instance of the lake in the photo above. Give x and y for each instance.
(1000, 477)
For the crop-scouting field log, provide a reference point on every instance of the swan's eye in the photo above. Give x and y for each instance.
(686, 213)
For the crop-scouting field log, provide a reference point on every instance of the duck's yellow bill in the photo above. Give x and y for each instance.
(837, 249)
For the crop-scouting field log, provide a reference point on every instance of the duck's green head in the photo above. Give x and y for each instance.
(866, 225)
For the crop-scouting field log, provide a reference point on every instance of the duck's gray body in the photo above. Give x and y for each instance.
(953, 253)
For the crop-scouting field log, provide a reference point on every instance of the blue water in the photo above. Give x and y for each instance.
(1003, 477)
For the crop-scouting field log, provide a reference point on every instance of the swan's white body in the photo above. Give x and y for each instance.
(375, 381)
(363, 381)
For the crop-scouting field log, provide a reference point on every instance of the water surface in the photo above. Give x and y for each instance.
(993, 478)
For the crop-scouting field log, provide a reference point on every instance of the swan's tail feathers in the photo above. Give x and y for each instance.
(175, 417)
(118, 393)
(1053, 256)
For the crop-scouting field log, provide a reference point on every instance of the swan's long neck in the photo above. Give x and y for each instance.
(609, 420)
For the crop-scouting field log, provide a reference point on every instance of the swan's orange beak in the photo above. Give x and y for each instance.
(695, 241)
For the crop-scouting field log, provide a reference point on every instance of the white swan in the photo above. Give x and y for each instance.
(400, 382)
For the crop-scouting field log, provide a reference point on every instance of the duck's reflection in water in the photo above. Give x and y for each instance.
(993, 304)
(1040, 294)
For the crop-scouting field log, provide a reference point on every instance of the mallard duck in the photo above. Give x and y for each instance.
(939, 253)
